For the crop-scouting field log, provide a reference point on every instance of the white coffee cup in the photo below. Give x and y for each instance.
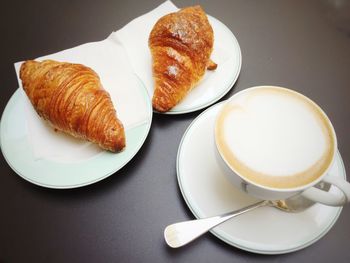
(275, 143)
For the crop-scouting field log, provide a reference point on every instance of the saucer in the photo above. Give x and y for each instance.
(208, 192)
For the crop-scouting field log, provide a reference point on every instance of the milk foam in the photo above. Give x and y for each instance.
(275, 133)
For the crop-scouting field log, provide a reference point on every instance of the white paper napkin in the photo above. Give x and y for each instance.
(109, 60)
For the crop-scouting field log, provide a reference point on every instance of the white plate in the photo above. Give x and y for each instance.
(53, 173)
(208, 192)
(215, 84)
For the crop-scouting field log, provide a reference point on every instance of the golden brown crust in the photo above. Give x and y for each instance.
(181, 44)
(211, 65)
(71, 98)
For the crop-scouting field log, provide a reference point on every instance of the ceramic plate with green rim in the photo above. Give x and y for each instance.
(51, 173)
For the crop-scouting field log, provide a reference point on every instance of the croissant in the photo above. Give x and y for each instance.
(181, 44)
(71, 98)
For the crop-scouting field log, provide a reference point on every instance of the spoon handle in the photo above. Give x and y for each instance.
(180, 234)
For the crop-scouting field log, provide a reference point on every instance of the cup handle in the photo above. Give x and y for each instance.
(327, 198)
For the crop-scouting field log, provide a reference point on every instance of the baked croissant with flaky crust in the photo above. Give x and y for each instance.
(71, 98)
(181, 44)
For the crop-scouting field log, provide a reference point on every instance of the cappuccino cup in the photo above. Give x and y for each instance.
(274, 143)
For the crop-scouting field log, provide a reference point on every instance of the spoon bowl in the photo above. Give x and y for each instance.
(299, 203)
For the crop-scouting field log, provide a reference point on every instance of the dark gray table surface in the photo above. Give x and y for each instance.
(303, 45)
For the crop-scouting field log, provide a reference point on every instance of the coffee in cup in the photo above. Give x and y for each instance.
(275, 140)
